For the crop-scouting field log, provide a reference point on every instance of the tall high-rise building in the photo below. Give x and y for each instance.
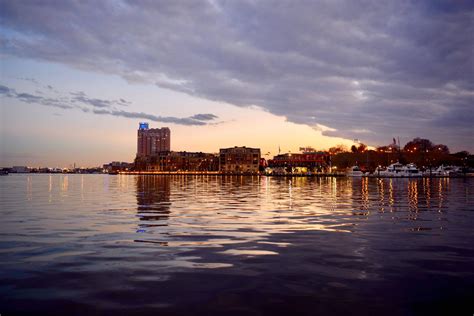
(151, 141)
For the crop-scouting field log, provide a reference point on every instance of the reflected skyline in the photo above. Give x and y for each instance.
(153, 199)
(257, 204)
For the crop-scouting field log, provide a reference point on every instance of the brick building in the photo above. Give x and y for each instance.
(315, 161)
(178, 161)
(239, 160)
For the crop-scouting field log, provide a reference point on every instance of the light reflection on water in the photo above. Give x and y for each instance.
(127, 232)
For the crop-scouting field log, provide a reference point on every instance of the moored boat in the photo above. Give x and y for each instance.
(355, 172)
(393, 170)
(398, 170)
(444, 171)
(412, 171)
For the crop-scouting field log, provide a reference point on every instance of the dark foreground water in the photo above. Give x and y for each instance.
(184, 245)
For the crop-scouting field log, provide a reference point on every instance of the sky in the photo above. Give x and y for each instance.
(76, 77)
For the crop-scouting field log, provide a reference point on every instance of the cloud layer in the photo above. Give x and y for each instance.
(81, 101)
(367, 70)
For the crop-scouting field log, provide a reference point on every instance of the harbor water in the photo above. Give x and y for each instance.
(235, 245)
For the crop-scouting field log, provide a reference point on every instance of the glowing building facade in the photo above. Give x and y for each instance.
(152, 141)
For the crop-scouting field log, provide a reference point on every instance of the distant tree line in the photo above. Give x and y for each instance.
(423, 152)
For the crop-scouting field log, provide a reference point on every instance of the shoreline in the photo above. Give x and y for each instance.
(316, 175)
(222, 174)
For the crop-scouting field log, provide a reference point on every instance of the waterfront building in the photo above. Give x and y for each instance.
(117, 166)
(239, 160)
(151, 141)
(186, 161)
(20, 169)
(177, 161)
(307, 161)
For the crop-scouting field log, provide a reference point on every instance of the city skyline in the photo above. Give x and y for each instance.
(222, 74)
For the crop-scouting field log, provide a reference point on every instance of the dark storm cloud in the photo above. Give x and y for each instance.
(371, 68)
(98, 106)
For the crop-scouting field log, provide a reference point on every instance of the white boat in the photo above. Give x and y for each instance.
(397, 170)
(412, 171)
(355, 172)
(378, 171)
(443, 171)
(394, 170)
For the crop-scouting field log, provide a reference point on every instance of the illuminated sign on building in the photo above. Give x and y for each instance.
(143, 125)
